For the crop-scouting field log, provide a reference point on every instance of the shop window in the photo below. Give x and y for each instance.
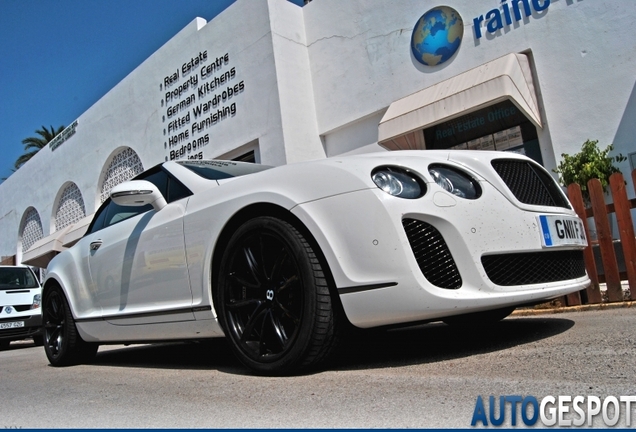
(246, 157)
(500, 127)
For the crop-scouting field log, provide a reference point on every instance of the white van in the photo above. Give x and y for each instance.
(20, 311)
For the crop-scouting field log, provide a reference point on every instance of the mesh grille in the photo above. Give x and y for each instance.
(432, 254)
(529, 183)
(534, 267)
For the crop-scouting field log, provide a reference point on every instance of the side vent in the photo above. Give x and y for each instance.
(432, 254)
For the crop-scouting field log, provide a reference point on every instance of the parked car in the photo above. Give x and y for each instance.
(20, 300)
(280, 259)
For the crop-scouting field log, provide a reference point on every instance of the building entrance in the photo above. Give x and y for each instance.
(501, 126)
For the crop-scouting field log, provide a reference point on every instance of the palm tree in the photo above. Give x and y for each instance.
(32, 145)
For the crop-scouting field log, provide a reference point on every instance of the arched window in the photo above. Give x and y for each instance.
(30, 229)
(70, 208)
(124, 166)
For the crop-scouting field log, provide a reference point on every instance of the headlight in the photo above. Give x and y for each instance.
(37, 300)
(398, 182)
(454, 181)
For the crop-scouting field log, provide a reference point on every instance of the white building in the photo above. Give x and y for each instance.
(273, 82)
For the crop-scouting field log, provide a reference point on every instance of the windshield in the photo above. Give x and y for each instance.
(16, 277)
(219, 169)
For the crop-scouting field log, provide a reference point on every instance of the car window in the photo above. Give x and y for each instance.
(110, 213)
(171, 188)
(117, 213)
(16, 277)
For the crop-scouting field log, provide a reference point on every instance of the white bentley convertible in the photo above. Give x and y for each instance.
(279, 259)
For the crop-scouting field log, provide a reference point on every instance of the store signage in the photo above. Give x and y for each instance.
(437, 35)
(196, 96)
(508, 13)
(479, 130)
(63, 136)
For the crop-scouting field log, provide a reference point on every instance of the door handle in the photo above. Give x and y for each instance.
(95, 245)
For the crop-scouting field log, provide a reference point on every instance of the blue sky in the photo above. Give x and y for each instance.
(57, 58)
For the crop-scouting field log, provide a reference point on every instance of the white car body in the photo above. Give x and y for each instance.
(151, 277)
(20, 298)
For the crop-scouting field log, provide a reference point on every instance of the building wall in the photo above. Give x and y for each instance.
(315, 81)
(582, 51)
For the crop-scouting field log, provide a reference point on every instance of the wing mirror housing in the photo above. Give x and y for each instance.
(137, 193)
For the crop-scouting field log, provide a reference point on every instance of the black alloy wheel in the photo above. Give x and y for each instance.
(273, 299)
(62, 343)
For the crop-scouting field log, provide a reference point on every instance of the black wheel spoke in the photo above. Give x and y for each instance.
(244, 282)
(253, 265)
(288, 313)
(279, 331)
(242, 303)
(276, 272)
(53, 340)
(253, 320)
(262, 345)
(55, 309)
(289, 282)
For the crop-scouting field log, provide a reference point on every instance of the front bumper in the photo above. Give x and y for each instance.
(376, 271)
(32, 327)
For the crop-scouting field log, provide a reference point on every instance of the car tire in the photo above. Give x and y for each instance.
(62, 342)
(479, 319)
(273, 301)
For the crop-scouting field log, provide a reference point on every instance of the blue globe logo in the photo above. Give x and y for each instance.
(437, 36)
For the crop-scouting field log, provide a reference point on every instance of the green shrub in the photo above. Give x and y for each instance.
(591, 162)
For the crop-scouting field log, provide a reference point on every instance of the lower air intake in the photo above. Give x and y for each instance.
(432, 254)
(534, 267)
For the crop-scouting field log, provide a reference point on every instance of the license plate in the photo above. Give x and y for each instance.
(9, 325)
(559, 230)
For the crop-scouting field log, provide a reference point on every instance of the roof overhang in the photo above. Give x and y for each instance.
(45, 249)
(76, 231)
(508, 77)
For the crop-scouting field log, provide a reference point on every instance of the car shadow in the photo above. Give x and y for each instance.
(438, 342)
(196, 355)
(360, 349)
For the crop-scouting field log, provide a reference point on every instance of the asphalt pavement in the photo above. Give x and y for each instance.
(428, 376)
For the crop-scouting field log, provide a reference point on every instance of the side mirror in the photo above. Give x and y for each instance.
(137, 193)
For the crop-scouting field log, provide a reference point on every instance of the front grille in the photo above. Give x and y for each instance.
(530, 183)
(18, 332)
(432, 254)
(534, 267)
(15, 318)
